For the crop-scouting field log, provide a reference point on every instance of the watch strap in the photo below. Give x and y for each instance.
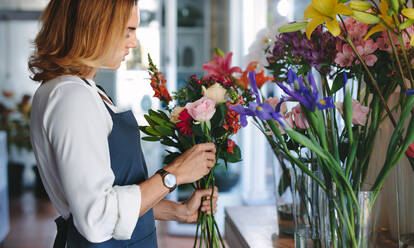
(163, 173)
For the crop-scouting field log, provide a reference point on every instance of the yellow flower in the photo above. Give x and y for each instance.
(325, 11)
(409, 13)
(387, 20)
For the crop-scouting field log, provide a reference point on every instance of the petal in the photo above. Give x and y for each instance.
(326, 7)
(227, 60)
(311, 12)
(243, 120)
(342, 9)
(408, 13)
(267, 107)
(316, 21)
(375, 29)
(333, 27)
(292, 77)
(412, 41)
(263, 115)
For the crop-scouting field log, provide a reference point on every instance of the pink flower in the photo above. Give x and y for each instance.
(356, 29)
(220, 68)
(359, 112)
(410, 151)
(273, 101)
(345, 56)
(299, 118)
(366, 50)
(201, 110)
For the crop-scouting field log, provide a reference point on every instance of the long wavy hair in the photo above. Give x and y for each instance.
(76, 34)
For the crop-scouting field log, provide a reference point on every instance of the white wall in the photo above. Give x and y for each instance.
(15, 48)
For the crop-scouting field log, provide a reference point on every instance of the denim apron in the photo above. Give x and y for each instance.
(128, 165)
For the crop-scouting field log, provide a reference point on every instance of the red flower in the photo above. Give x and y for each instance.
(184, 126)
(230, 145)
(220, 69)
(410, 151)
(232, 119)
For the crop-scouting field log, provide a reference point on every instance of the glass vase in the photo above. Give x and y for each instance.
(345, 224)
(405, 204)
(305, 210)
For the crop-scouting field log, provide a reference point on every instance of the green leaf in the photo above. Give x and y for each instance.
(150, 121)
(169, 142)
(338, 83)
(219, 115)
(218, 132)
(143, 129)
(185, 142)
(164, 130)
(152, 131)
(163, 115)
(292, 27)
(348, 109)
(151, 138)
(232, 157)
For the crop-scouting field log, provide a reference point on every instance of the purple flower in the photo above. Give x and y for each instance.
(306, 94)
(263, 111)
(409, 92)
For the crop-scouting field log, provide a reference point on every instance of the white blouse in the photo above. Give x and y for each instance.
(69, 132)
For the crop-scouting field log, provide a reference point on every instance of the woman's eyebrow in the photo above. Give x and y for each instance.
(132, 28)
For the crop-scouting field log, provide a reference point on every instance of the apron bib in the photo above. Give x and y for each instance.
(129, 167)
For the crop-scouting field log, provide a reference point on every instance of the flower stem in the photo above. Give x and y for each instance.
(374, 83)
(398, 60)
(410, 76)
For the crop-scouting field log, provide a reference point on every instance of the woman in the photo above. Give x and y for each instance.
(89, 156)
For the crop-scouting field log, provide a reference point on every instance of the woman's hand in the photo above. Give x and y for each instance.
(192, 205)
(195, 163)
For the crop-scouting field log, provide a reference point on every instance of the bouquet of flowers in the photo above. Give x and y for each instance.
(372, 48)
(201, 113)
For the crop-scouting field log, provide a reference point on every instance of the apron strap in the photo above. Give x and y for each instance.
(62, 233)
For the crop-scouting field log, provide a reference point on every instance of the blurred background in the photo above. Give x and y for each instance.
(180, 35)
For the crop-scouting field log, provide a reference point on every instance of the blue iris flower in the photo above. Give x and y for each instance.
(263, 111)
(308, 95)
(409, 92)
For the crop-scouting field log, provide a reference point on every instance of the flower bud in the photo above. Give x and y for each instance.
(360, 5)
(365, 17)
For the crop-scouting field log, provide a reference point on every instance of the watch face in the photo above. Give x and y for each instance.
(170, 180)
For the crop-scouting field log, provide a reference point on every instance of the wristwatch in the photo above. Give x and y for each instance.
(169, 180)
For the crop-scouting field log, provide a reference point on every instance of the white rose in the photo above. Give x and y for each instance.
(175, 114)
(216, 92)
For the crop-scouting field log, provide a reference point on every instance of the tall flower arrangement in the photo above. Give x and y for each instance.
(370, 60)
(199, 112)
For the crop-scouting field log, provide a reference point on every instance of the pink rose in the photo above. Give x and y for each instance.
(299, 118)
(273, 101)
(201, 110)
(359, 112)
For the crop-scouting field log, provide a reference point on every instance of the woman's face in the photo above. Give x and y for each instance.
(121, 50)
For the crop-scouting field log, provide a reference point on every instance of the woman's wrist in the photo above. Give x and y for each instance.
(173, 169)
(181, 212)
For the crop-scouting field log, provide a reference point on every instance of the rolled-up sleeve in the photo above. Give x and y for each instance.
(78, 133)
